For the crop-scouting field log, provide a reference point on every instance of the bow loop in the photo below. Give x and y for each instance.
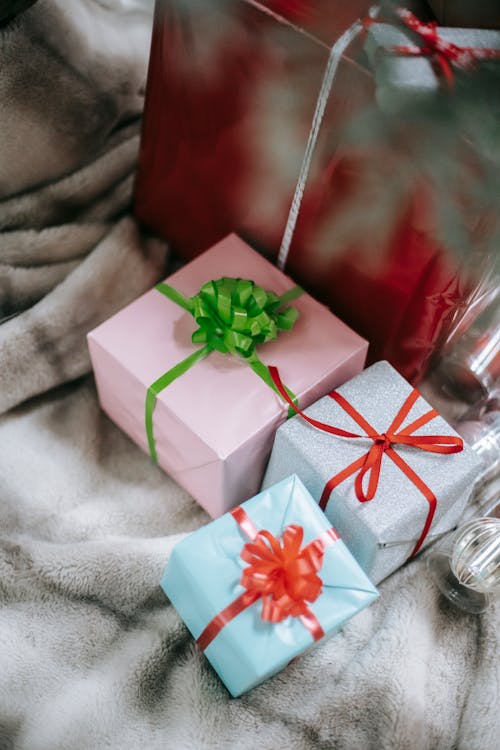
(372, 466)
(236, 315)
(282, 573)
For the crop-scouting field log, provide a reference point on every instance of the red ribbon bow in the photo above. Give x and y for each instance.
(281, 574)
(445, 53)
(370, 464)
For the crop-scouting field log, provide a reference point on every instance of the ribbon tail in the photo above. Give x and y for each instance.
(220, 620)
(372, 466)
(424, 489)
(262, 371)
(159, 385)
(244, 522)
(338, 479)
(445, 67)
(175, 296)
(312, 624)
(275, 376)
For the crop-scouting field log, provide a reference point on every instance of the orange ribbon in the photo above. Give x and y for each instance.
(370, 464)
(280, 573)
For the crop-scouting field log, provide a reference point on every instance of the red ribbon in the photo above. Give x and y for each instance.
(370, 464)
(280, 573)
(444, 53)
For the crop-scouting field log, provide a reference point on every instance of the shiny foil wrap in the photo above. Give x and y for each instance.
(203, 577)
(380, 533)
(407, 80)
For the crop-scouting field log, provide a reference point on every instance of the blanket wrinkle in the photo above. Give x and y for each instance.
(66, 165)
(31, 248)
(25, 286)
(75, 193)
(119, 667)
(45, 345)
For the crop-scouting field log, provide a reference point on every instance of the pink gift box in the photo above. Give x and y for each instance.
(214, 425)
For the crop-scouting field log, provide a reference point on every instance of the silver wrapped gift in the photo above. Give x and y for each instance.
(403, 80)
(381, 533)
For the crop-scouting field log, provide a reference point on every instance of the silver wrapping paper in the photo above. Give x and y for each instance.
(402, 80)
(381, 533)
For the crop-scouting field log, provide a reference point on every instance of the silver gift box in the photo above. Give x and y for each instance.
(383, 532)
(406, 80)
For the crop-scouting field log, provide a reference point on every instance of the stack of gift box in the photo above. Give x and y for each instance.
(228, 363)
(322, 477)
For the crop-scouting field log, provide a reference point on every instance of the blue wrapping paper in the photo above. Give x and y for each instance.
(203, 577)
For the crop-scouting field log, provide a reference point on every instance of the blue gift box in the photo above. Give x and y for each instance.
(203, 578)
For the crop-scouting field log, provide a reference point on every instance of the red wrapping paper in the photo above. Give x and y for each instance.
(400, 290)
(230, 100)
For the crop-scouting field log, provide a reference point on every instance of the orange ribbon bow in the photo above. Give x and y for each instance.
(283, 575)
(280, 573)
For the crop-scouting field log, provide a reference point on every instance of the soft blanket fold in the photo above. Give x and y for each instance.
(91, 653)
(70, 257)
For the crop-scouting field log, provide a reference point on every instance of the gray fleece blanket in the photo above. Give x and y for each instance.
(91, 653)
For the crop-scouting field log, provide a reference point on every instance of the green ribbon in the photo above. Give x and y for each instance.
(233, 316)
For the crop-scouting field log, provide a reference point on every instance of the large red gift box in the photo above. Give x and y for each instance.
(232, 89)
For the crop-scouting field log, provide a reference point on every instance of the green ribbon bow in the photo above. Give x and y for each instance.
(234, 316)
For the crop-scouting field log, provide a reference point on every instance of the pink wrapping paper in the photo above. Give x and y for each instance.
(214, 426)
